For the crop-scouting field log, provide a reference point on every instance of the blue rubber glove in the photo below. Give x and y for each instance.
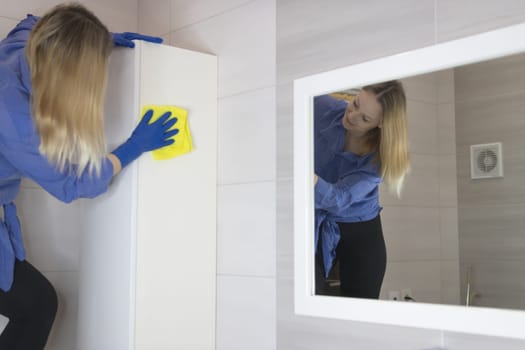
(147, 137)
(125, 39)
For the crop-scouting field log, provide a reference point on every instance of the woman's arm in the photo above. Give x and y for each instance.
(117, 166)
(20, 33)
(126, 39)
(345, 192)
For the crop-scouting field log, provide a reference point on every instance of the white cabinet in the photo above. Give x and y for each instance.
(147, 247)
(148, 252)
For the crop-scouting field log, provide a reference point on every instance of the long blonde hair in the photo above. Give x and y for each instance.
(391, 140)
(67, 53)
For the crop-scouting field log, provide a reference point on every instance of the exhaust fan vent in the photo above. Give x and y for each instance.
(486, 161)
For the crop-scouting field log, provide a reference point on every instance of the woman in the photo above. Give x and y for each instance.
(358, 144)
(53, 73)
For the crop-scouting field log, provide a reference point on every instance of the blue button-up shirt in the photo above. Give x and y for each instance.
(19, 151)
(348, 186)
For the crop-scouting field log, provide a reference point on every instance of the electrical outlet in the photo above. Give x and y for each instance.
(393, 295)
(406, 294)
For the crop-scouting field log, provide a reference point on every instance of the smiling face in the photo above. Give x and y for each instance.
(363, 114)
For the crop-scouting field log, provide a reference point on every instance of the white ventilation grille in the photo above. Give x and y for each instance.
(486, 161)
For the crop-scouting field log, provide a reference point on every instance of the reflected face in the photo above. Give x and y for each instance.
(363, 114)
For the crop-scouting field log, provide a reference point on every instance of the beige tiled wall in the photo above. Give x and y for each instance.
(490, 109)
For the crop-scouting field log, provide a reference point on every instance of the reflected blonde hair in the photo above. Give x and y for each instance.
(67, 52)
(391, 140)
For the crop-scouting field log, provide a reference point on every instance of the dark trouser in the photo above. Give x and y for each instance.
(31, 305)
(361, 256)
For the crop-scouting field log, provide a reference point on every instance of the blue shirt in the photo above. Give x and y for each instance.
(19, 151)
(347, 189)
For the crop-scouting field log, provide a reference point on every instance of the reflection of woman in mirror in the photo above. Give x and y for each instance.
(360, 140)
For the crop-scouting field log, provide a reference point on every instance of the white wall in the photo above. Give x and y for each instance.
(50, 246)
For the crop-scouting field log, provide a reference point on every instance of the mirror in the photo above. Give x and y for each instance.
(454, 237)
(460, 242)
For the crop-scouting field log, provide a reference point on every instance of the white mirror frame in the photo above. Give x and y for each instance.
(479, 320)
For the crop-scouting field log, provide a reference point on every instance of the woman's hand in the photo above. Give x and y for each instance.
(125, 39)
(150, 136)
(147, 137)
(315, 179)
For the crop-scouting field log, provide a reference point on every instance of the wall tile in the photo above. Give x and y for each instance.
(459, 341)
(245, 313)
(492, 232)
(184, 13)
(421, 88)
(117, 15)
(422, 128)
(445, 86)
(503, 76)
(6, 24)
(244, 41)
(315, 36)
(457, 19)
(313, 333)
(246, 137)
(448, 227)
(446, 124)
(50, 230)
(246, 229)
(411, 233)
(154, 17)
(285, 137)
(487, 120)
(450, 293)
(420, 277)
(421, 186)
(448, 189)
(285, 227)
(19, 9)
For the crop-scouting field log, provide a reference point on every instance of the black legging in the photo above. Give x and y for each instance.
(361, 255)
(31, 305)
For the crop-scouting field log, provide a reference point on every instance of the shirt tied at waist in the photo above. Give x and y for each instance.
(11, 245)
(326, 226)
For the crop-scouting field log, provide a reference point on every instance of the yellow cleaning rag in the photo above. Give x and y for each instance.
(183, 143)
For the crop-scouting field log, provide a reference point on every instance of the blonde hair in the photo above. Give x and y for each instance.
(391, 139)
(67, 52)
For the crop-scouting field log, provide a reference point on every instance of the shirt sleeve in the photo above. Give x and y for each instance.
(19, 144)
(339, 196)
(21, 32)
(326, 108)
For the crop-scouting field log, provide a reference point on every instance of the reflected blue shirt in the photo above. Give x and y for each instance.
(347, 189)
(19, 151)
